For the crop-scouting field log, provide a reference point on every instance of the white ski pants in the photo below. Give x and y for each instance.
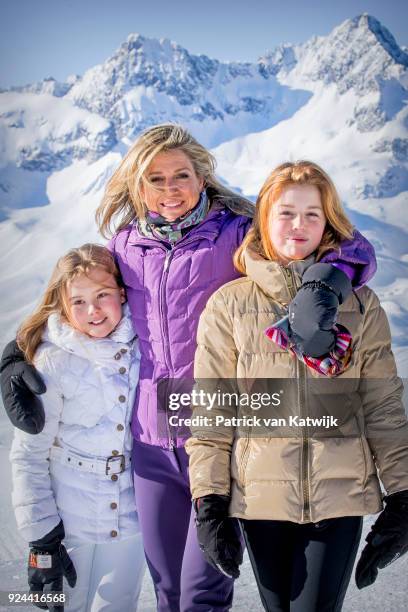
(109, 575)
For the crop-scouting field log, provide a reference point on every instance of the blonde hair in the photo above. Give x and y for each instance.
(338, 227)
(123, 200)
(76, 262)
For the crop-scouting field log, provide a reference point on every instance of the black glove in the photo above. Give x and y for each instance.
(313, 311)
(218, 534)
(48, 562)
(387, 540)
(20, 385)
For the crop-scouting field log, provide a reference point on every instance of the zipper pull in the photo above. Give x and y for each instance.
(289, 278)
(166, 261)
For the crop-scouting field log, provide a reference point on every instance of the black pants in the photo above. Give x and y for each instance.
(303, 568)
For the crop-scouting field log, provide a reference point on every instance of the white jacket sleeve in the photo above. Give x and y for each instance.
(32, 496)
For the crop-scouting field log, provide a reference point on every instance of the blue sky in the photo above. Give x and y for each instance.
(40, 38)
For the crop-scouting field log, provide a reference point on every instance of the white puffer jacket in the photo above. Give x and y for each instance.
(91, 385)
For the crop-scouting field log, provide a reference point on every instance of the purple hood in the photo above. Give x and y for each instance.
(356, 259)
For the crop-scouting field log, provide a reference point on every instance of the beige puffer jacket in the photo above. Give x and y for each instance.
(306, 474)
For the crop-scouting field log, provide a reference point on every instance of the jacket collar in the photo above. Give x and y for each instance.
(212, 224)
(64, 336)
(208, 228)
(274, 279)
(236, 204)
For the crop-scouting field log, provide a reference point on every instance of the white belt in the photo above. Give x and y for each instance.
(115, 464)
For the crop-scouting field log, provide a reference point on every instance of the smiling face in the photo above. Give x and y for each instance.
(95, 303)
(297, 222)
(173, 188)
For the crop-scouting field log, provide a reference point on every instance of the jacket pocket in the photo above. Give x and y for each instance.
(244, 459)
(365, 460)
(368, 457)
(133, 275)
(239, 456)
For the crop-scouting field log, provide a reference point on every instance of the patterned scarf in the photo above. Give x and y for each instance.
(156, 226)
(330, 365)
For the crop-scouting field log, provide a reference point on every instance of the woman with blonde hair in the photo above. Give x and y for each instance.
(300, 482)
(72, 483)
(176, 230)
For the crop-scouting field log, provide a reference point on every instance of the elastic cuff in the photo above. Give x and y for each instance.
(55, 536)
(331, 276)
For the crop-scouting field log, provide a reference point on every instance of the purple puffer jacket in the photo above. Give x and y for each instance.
(168, 288)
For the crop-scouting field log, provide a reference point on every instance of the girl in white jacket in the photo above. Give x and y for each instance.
(74, 478)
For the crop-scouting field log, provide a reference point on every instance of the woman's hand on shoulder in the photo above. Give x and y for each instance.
(21, 385)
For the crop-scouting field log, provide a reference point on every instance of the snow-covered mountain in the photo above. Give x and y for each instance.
(340, 100)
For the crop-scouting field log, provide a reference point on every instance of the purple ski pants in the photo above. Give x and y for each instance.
(182, 579)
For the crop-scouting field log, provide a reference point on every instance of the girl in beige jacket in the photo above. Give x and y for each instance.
(296, 456)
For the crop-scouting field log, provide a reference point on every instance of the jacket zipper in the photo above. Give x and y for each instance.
(305, 445)
(301, 378)
(163, 309)
(165, 330)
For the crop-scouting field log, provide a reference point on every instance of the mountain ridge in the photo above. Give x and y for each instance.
(147, 81)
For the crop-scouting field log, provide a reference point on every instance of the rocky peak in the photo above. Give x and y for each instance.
(359, 54)
(161, 64)
(281, 58)
(384, 37)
